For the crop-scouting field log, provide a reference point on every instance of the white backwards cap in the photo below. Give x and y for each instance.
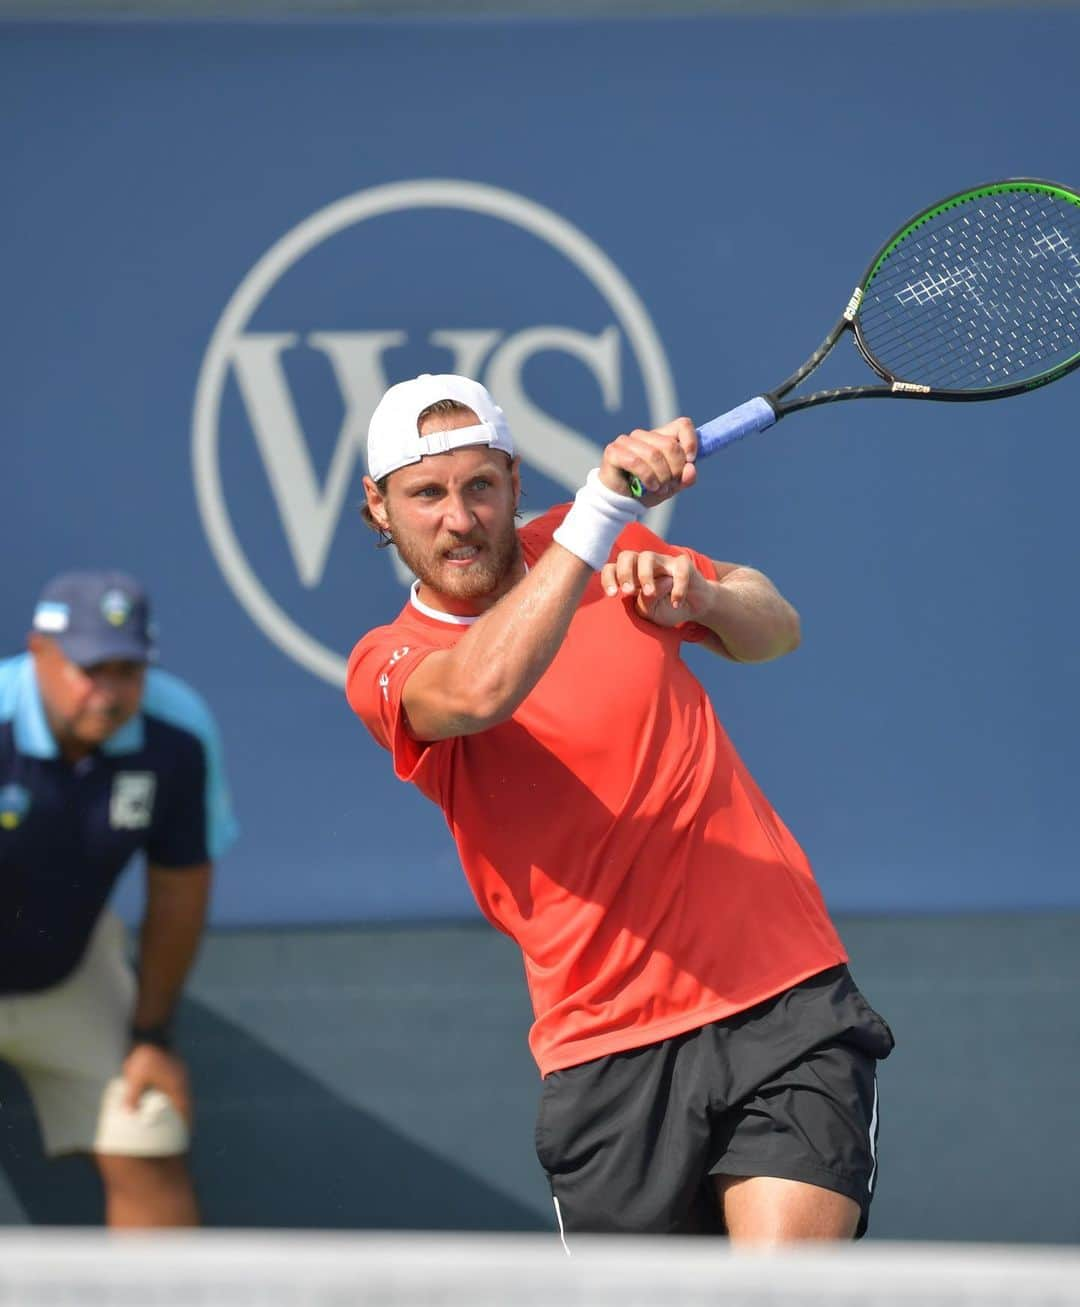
(393, 440)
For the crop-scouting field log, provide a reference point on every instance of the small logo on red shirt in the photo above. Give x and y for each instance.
(384, 679)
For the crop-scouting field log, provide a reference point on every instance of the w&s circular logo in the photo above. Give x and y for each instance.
(417, 276)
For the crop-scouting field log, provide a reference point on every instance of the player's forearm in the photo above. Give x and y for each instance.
(505, 652)
(751, 618)
(172, 927)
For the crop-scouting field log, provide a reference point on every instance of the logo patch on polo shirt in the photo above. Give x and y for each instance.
(14, 805)
(131, 804)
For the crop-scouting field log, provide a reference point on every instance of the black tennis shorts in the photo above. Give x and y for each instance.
(788, 1088)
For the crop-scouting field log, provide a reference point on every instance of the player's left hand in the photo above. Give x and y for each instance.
(149, 1067)
(668, 588)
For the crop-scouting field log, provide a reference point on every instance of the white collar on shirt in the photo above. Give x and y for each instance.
(452, 618)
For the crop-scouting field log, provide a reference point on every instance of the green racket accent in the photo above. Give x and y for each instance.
(999, 188)
(636, 488)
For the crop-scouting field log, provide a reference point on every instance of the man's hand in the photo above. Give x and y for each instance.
(149, 1067)
(748, 619)
(668, 587)
(662, 460)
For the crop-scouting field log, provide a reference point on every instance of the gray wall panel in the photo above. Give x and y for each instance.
(380, 1078)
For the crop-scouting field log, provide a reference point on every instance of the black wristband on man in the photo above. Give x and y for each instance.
(160, 1035)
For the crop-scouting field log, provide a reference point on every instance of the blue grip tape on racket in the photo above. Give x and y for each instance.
(755, 415)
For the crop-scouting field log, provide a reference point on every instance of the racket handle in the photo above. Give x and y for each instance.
(755, 415)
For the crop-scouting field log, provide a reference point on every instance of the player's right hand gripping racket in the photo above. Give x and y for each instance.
(976, 297)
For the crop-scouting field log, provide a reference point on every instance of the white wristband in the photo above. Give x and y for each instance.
(595, 520)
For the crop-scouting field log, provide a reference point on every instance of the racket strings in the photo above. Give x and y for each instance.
(978, 303)
(984, 294)
(963, 279)
(970, 277)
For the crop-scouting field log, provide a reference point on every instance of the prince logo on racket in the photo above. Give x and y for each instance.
(708, 1062)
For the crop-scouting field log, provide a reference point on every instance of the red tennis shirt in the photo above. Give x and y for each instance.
(609, 827)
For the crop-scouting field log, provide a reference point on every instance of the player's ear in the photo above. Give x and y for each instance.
(376, 505)
(515, 480)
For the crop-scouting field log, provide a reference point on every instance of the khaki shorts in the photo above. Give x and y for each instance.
(68, 1044)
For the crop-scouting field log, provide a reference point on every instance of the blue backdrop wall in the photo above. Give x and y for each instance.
(219, 242)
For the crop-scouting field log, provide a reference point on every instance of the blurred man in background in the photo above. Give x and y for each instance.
(102, 758)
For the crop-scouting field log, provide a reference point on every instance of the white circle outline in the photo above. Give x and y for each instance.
(431, 193)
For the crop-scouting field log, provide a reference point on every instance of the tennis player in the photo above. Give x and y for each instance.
(103, 758)
(708, 1062)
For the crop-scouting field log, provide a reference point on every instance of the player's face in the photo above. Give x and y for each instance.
(451, 517)
(85, 705)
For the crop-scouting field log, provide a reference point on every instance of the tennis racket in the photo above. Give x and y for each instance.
(976, 297)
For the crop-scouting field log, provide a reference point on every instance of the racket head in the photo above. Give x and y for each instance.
(978, 295)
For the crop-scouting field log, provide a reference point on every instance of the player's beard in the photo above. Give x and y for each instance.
(491, 572)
